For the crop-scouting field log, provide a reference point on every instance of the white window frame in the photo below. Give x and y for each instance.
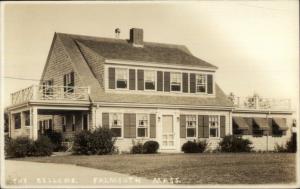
(120, 125)
(205, 83)
(127, 78)
(210, 126)
(154, 79)
(196, 126)
(147, 127)
(179, 73)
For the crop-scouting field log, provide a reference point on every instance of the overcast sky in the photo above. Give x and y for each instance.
(254, 44)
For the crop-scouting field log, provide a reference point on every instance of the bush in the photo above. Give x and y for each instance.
(150, 147)
(42, 147)
(233, 143)
(99, 141)
(137, 149)
(194, 147)
(19, 147)
(291, 145)
(56, 138)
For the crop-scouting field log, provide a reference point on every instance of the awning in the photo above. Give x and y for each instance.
(262, 123)
(241, 123)
(281, 123)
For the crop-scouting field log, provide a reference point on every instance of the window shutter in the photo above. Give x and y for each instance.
(72, 79)
(65, 83)
(182, 126)
(50, 124)
(159, 81)
(210, 84)
(222, 126)
(167, 81)
(140, 79)
(205, 126)
(111, 78)
(185, 82)
(131, 79)
(200, 126)
(133, 125)
(152, 126)
(129, 125)
(105, 120)
(192, 83)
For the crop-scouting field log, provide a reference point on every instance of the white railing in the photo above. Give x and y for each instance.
(46, 92)
(261, 103)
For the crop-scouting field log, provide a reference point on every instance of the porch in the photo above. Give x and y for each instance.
(39, 108)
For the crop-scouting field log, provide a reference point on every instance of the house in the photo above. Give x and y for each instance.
(142, 91)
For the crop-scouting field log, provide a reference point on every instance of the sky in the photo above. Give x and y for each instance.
(254, 44)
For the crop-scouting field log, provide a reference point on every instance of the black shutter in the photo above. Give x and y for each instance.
(152, 125)
(185, 82)
(210, 84)
(222, 126)
(200, 126)
(140, 79)
(65, 83)
(182, 126)
(159, 81)
(72, 79)
(192, 83)
(206, 126)
(167, 81)
(111, 78)
(131, 79)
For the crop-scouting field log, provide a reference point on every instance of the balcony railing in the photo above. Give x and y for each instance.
(46, 92)
(261, 103)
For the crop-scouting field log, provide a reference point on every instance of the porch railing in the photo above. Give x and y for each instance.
(261, 103)
(48, 92)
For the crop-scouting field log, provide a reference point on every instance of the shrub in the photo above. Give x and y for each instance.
(291, 145)
(150, 147)
(233, 143)
(19, 147)
(42, 147)
(56, 138)
(194, 147)
(99, 141)
(280, 148)
(137, 149)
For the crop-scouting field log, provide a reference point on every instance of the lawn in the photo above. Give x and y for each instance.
(252, 168)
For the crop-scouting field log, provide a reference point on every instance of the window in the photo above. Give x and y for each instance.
(73, 122)
(48, 87)
(191, 123)
(122, 78)
(149, 79)
(17, 121)
(175, 82)
(27, 118)
(69, 82)
(116, 124)
(142, 125)
(63, 121)
(213, 122)
(201, 83)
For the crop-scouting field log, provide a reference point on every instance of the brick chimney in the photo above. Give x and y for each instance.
(136, 37)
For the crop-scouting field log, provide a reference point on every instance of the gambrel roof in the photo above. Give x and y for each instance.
(151, 52)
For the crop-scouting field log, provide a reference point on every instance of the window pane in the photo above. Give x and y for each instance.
(122, 84)
(191, 132)
(150, 85)
(117, 132)
(201, 89)
(142, 132)
(175, 87)
(213, 132)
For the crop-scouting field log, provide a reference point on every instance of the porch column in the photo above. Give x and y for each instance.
(34, 123)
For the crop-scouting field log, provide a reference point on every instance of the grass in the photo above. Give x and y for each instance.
(252, 168)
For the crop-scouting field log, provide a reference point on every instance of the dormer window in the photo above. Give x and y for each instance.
(201, 83)
(122, 78)
(176, 81)
(149, 79)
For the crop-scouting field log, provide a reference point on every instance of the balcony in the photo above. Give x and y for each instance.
(50, 93)
(258, 103)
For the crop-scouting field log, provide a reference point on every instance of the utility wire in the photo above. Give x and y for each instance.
(20, 78)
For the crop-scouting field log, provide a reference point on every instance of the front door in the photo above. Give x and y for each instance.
(168, 139)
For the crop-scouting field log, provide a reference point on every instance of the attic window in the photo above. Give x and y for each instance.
(201, 83)
(122, 78)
